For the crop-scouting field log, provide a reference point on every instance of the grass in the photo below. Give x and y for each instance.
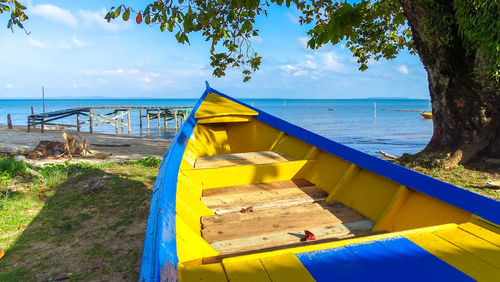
(149, 162)
(475, 178)
(9, 168)
(55, 219)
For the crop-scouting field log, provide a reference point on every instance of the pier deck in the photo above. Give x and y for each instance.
(115, 116)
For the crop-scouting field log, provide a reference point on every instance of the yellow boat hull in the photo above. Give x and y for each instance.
(238, 189)
(426, 115)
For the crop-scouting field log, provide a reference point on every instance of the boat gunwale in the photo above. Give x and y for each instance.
(153, 262)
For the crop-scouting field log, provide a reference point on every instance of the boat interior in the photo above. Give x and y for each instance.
(247, 188)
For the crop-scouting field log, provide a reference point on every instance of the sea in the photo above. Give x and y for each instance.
(352, 122)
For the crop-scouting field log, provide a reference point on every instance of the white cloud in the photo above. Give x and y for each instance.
(403, 69)
(144, 79)
(9, 86)
(78, 42)
(63, 45)
(302, 41)
(288, 68)
(96, 19)
(331, 62)
(54, 13)
(136, 76)
(292, 18)
(315, 65)
(256, 39)
(35, 43)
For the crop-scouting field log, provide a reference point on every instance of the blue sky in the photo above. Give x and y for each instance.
(73, 52)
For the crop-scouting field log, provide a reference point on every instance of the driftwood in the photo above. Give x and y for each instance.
(56, 150)
(110, 145)
(46, 149)
(387, 155)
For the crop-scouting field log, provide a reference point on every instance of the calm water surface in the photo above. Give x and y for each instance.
(350, 122)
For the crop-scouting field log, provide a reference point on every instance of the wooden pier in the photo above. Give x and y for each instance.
(115, 116)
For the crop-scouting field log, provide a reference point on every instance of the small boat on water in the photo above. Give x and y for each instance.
(426, 115)
(242, 195)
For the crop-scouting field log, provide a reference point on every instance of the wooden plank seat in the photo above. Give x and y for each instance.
(261, 196)
(275, 241)
(249, 158)
(281, 212)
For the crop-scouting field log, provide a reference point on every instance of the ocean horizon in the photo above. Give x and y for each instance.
(352, 122)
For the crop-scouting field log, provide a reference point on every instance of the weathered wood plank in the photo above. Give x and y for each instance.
(262, 195)
(251, 188)
(241, 225)
(301, 209)
(268, 203)
(339, 231)
(241, 159)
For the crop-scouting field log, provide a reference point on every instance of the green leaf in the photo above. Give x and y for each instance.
(246, 27)
(4, 8)
(126, 15)
(117, 12)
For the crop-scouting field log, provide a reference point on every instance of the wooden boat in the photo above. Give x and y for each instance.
(244, 196)
(426, 115)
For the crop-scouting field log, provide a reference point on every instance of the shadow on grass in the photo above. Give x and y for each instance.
(91, 226)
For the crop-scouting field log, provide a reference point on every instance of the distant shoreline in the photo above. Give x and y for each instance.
(196, 98)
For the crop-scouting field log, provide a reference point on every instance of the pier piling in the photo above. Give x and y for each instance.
(116, 122)
(77, 122)
(175, 119)
(140, 119)
(91, 130)
(165, 120)
(121, 120)
(9, 121)
(158, 113)
(128, 123)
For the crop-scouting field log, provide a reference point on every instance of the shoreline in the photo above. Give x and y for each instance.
(18, 141)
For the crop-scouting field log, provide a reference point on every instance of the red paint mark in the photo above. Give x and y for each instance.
(160, 211)
(309, 236)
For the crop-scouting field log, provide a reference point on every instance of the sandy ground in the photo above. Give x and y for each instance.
(18, 141)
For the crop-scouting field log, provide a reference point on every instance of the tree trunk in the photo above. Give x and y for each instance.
(465, 106)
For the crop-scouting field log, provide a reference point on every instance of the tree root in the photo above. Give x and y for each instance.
(429, 159)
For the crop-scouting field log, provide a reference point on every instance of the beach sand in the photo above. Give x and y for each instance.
(18, 141)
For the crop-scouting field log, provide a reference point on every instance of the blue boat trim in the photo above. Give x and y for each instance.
(159, 256)
(482, 206)
(396, 259)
